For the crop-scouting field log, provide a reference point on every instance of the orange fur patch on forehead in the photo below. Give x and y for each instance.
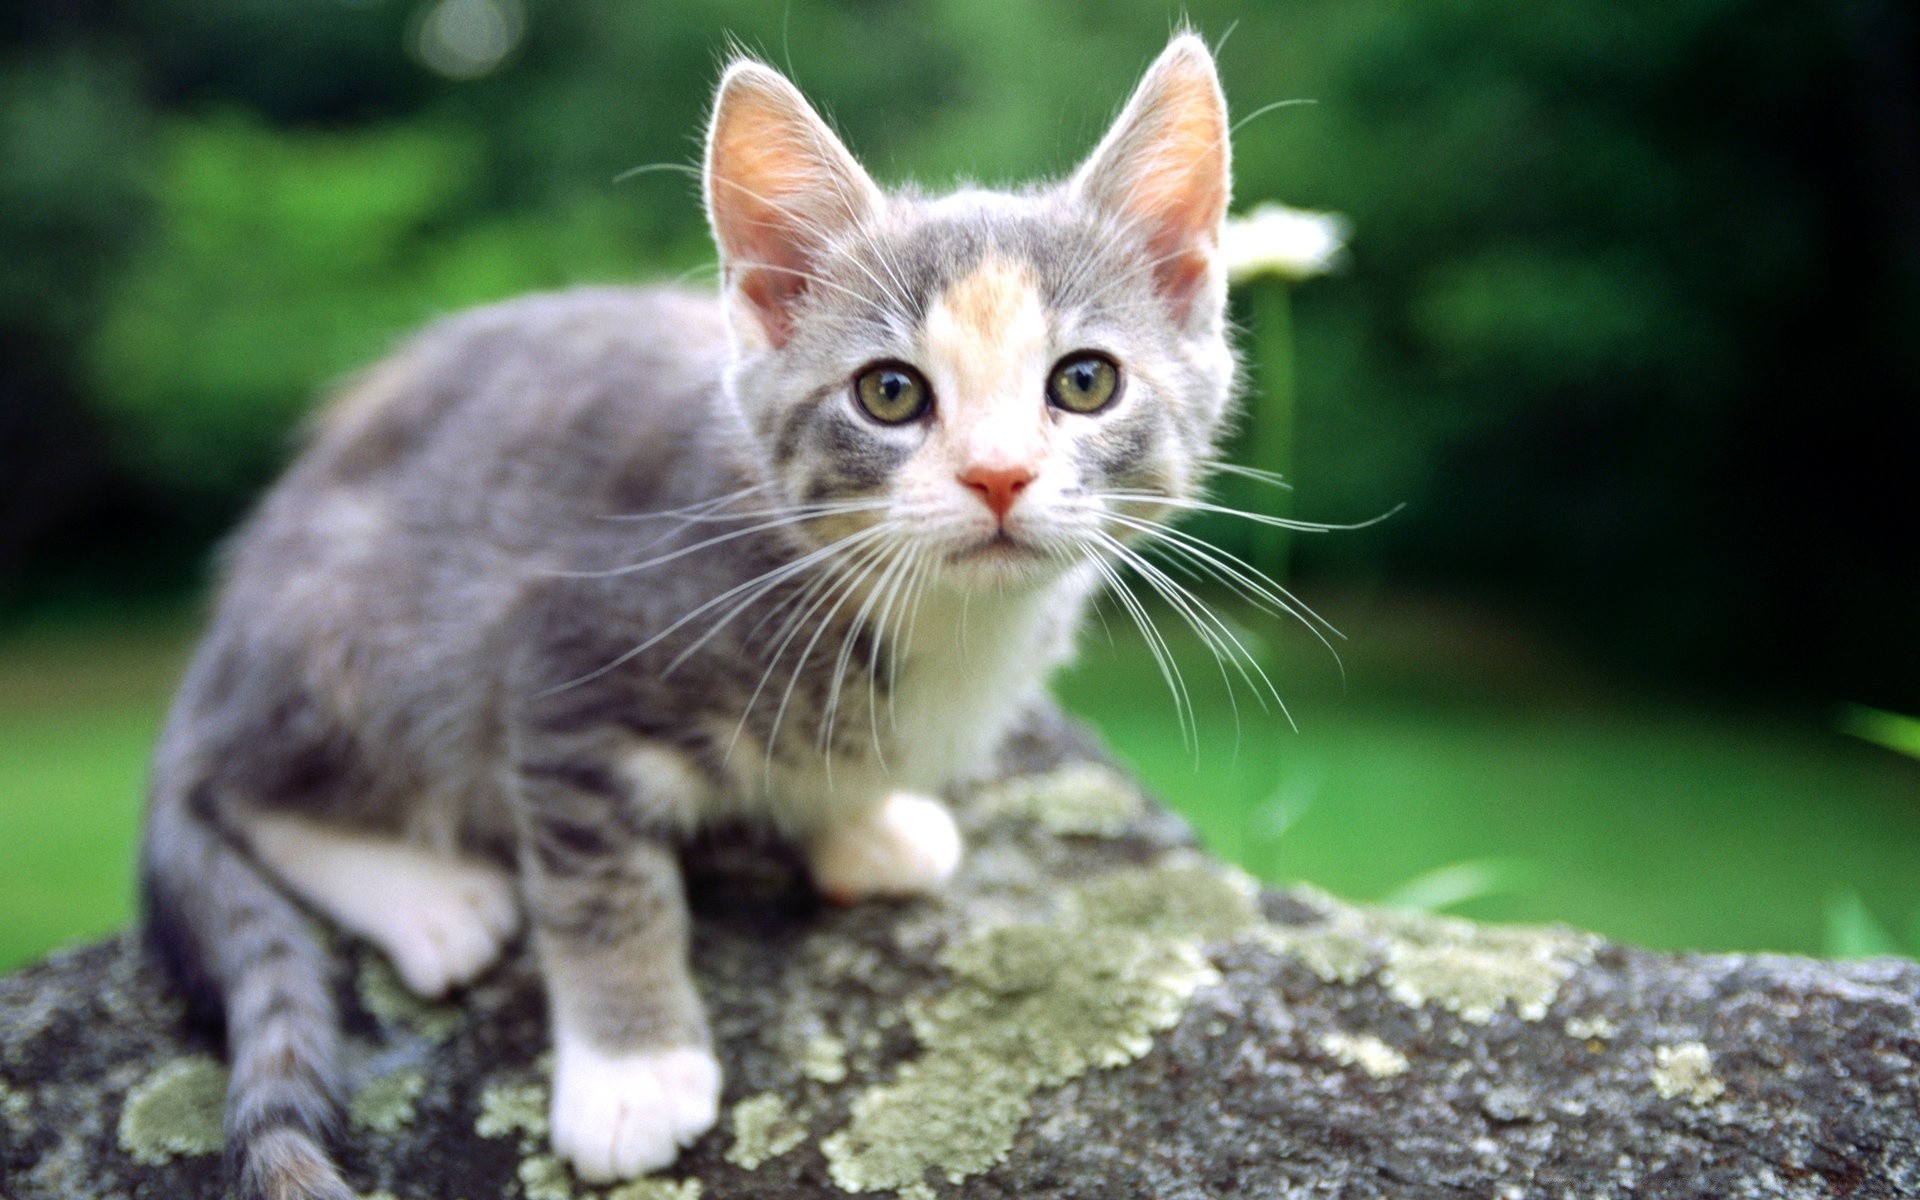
(992, 297)
(988, 329)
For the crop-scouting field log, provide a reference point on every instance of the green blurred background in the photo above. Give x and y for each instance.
(1629, 326)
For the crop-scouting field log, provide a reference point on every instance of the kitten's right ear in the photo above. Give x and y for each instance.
(780, 188)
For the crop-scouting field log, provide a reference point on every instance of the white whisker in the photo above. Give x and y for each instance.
(1244, 579)
(703, 507)
(1260, 518)
(858, 575)
(1162, 656)
(878, 636)
(881, 585)
(916, 594)
(1219, 638)
(1257, 474)
(773, 575)
(783, 520)
(823, 585)
(767, 582)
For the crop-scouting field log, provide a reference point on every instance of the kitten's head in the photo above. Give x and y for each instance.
(993, 381)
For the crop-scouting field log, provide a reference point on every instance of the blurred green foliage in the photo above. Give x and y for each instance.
(1854, 932)
(1629, 326)
(283, 260)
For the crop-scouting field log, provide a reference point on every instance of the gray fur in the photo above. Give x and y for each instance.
(246, 953)
(454, 623)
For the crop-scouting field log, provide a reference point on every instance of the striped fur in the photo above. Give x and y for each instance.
(250, 958)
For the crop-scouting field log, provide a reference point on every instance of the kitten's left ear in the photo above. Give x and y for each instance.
(780, 188)
(1163, 169)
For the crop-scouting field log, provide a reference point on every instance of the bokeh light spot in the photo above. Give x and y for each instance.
(466, 39)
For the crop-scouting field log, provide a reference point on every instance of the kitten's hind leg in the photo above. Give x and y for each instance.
(905, 845)
(440, 920)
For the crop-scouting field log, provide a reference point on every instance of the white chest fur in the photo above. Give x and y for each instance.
(972, 664)
(975, 662)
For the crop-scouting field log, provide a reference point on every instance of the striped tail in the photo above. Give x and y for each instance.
(245, 952)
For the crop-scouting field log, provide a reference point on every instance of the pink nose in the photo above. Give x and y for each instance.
(997, 487)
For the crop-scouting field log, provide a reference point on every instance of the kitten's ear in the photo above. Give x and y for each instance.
(1163, 169)
(779, 188)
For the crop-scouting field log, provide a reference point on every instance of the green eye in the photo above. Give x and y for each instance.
(892, 393)
(1083, 383)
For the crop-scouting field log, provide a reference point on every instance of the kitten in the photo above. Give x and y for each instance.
(457, 677)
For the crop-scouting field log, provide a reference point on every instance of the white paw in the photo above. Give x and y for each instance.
(440, 920)
(443, 928)
(618, 1116)
(907, 845)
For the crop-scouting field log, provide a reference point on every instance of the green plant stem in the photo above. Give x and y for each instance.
(1270, 440)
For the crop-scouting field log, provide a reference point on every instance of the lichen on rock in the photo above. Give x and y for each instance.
(1086, 949)
(389, 1002)
(1468, 969)
(1474, 971)
(1339, 948)
(176, 1110)
(385, 1104)
(1685, 1072)
(763, 1129)
(510, 1107)
(657, 1189)
(1032, 1006)
(545, 1177)
(13, 1102)
(824, 1059)
(1083, 799)
(1186, 898)
(1364, 1051)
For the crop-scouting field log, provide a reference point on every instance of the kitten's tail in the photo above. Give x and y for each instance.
(245, 951)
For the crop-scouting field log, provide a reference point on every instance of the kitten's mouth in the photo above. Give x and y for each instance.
(1001, 546)
(1001, 559)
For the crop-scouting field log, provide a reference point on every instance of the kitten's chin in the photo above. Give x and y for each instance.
(1002, 562)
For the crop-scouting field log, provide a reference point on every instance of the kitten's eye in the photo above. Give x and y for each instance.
(892, 393)
(1083, 383)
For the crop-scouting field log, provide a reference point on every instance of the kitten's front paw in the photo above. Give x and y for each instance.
(908, 845)
(618, 1116)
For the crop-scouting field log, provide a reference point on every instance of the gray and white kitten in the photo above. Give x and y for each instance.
(458, 675)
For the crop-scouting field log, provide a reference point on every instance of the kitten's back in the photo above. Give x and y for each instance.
(573, 399)
(363, 602)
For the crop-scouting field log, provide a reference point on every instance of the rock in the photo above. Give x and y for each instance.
(1095, 1010)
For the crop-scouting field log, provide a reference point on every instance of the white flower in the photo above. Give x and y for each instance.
(1289, 242)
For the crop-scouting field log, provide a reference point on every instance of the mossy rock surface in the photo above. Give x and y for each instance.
(1095, 1010)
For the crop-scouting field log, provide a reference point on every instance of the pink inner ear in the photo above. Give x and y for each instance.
(779, 186)
(767, 255)
(1180, 192)
(756, 185)
(773, 295)
(1164, 169)
(1182, 243)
